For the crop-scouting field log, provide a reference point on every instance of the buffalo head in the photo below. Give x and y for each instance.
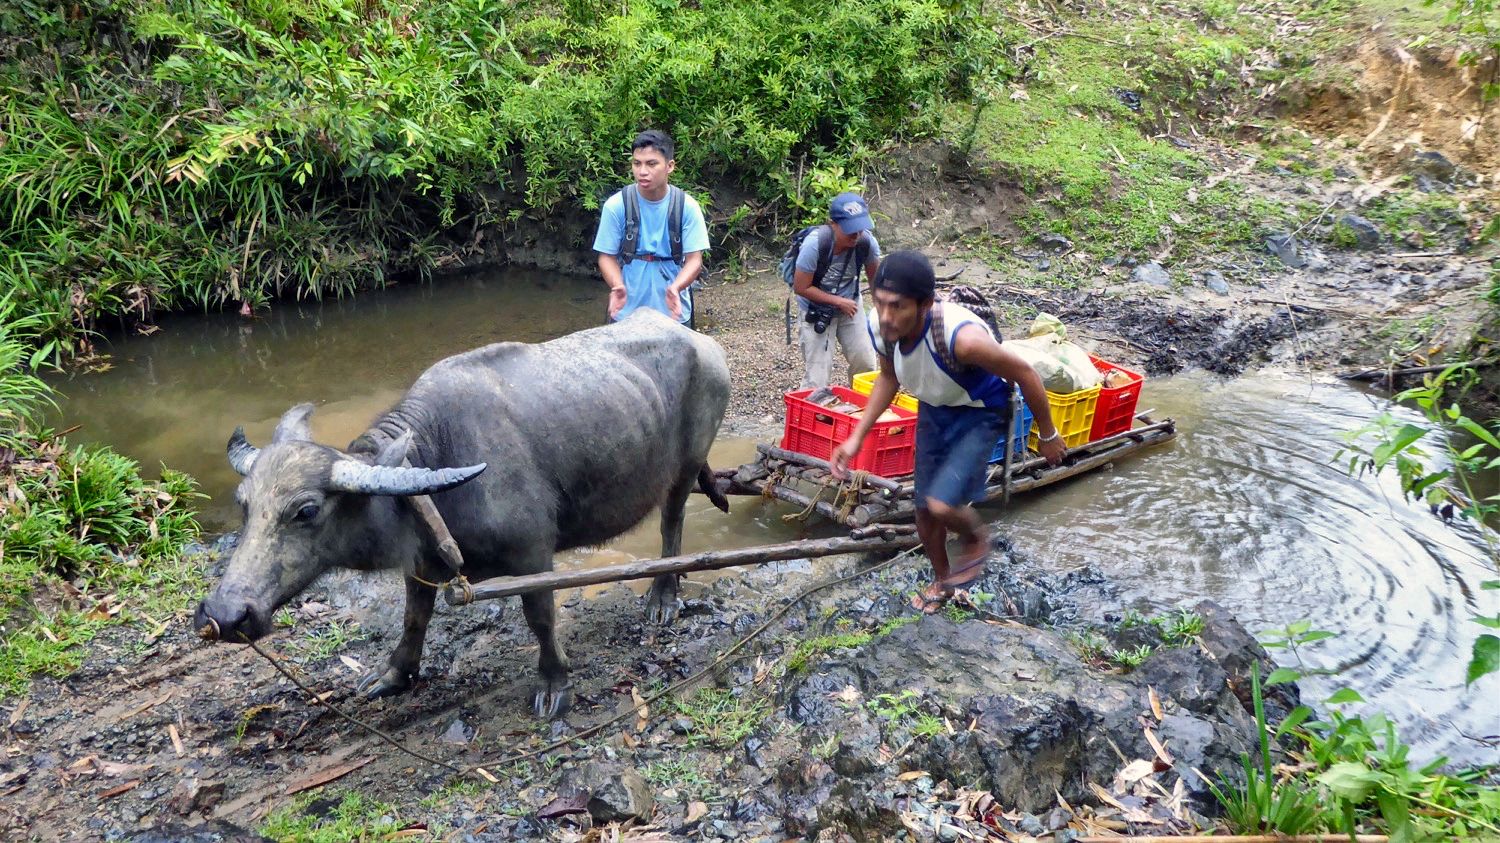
(309, 508)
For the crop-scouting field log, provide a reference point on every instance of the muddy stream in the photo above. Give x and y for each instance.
(1246, 507)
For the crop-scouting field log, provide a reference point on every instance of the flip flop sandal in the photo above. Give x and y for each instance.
(966, 575)
(931, 599)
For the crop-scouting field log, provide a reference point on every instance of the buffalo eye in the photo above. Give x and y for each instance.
(306, 513)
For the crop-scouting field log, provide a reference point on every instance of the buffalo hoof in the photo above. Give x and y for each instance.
(388, 684)
(552, 699)
(662, 603)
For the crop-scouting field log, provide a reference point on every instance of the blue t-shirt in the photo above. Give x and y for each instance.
(842, 277)
(646, 282)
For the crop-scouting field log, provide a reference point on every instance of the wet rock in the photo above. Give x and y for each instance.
(458, 732)
(192, 796)
(615, 792)
(215, 832)
(1059, 818)
(1430, 162)
(1127, 98)
(1366, 235)
(1043, 722)
(1196, 684)
(1055, 243)
(1151, 273)
(1284, 246)
(754, 747)
(1031, 825)
(1214, 280)
(1235, 650)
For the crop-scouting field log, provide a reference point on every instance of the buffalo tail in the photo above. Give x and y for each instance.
(710, 487)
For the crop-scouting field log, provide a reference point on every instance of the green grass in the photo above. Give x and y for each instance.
(683, 775)
(85, 541)
(325, 640)
(355, 819)
(720, 718)
(814, 648)
(1068, 138)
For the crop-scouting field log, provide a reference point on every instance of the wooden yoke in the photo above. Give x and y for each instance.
(437, 529)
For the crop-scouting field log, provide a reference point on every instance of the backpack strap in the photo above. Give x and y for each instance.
(631, 197)
(675, 200)
(825, 254)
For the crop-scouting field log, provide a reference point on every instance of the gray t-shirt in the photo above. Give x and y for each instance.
(842, 277)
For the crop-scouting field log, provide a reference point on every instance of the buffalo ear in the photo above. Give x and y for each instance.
(394, 452)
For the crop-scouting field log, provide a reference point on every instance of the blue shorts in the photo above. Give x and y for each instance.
(954, 445)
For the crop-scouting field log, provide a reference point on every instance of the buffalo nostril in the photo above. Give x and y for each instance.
(219, 623)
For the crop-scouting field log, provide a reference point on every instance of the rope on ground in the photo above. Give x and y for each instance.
(336, 710)
(507, 760)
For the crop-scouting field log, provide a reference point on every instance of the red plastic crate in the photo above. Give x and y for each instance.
(890, 450)
(1116, 409)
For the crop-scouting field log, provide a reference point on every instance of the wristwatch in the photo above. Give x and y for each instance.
(1056, 435)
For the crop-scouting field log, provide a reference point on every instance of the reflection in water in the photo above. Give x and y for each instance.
(1244, 507)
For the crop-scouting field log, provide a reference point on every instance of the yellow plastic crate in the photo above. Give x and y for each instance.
(865, 381)
(1073, 414)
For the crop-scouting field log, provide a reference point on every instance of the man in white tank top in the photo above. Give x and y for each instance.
(945, 356)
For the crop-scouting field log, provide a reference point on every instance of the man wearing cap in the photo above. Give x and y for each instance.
(834, 304)
(963, 378)
(651, 276)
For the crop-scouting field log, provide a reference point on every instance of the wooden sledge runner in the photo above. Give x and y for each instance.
(873, 508)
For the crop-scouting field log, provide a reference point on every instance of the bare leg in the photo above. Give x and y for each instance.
(972, 533)
(554, 695)
(406, 659)
(661, 603)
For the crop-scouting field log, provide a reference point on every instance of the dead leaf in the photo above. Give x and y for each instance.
(912, 775)
(145, 707)
(850, 695)
(642, 713)
(176, 740)
(116, 769)
(629, 740)
(1133, 772)
(576, 802)
(327, 775)
(487, 775)
(1161, 749)
(1155, 701)
(762, 669)
(119, 789)
(19, 712)
(695, 812)
(352, 663)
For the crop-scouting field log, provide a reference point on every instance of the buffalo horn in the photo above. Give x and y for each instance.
(241, 453)
(364, 479)
(293, 425)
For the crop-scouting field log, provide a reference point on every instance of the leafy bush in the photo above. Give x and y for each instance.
(80, 525)
(167, 153)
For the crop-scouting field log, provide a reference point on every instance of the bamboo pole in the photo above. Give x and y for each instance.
(711, 560)
(813, 462)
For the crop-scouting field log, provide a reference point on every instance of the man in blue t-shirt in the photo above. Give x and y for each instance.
(653, 278)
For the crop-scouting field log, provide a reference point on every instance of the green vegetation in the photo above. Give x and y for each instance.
(354, 819)
(1351, 774)
(199, 153)
(325, 640)
(678, 773)
(720, 717)
(85, 541)
(805, 651)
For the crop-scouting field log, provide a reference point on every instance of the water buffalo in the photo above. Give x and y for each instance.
(582, 436)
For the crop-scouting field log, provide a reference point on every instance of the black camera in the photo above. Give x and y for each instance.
(819, 315)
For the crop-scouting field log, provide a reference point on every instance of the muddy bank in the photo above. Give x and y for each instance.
(818, 728)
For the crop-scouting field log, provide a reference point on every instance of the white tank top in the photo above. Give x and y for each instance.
(921, 372)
